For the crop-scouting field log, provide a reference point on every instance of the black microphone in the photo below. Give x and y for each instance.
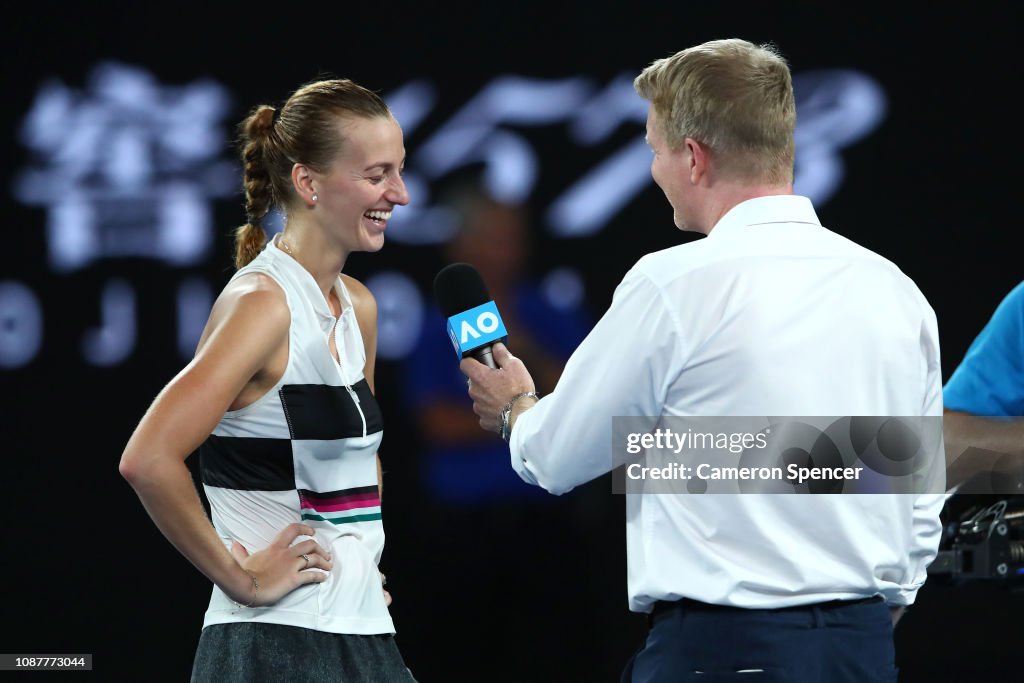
(473, 320)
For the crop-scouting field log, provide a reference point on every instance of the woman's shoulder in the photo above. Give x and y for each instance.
(253, 294)
(251, 306)
(254, 286)
(363, 302)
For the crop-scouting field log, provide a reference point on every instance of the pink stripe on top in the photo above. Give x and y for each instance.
(337, 507)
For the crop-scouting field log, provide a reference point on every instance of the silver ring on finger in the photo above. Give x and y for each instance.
(306, 558)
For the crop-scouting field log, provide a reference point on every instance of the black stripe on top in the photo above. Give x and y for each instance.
(325, 496)
(324, 412)
(247, 463)
(371, 409)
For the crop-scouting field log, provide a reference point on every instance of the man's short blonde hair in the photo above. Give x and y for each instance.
(732, 96)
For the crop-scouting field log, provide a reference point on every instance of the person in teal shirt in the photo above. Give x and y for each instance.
(984, 398)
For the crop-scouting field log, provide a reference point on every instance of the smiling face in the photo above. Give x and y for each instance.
(363, 184)
(670, 169)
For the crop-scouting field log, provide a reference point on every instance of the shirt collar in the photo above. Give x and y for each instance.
(309, 285)
(787, 208)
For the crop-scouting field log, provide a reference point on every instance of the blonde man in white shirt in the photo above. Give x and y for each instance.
(770, 314)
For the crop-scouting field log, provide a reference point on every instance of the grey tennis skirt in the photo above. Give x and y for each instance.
(273, 653)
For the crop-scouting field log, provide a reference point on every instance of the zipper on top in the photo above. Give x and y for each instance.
(341, 373)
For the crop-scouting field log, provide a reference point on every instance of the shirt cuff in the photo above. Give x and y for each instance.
(515, 447)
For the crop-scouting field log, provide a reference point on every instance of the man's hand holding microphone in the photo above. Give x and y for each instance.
(499, 384)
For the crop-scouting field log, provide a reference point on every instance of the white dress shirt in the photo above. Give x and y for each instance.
(770, 314)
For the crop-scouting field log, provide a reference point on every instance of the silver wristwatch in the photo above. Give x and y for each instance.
(505, 429)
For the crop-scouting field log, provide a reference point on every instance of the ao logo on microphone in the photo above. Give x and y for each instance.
(476, 327)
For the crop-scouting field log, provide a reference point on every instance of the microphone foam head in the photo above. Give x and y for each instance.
(458, 287)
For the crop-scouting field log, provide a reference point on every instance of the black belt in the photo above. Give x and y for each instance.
(686, 604)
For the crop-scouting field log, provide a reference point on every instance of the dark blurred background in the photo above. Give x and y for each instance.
(120, 189)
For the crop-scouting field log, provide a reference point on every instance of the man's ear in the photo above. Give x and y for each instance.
(698, 158)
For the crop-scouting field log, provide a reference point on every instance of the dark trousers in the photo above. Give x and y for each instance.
(690, 642)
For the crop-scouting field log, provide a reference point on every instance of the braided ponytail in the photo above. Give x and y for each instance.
(256, 133)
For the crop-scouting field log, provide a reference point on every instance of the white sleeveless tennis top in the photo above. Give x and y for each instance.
(305, 451)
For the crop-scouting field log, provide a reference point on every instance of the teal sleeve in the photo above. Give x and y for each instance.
(990, 379)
